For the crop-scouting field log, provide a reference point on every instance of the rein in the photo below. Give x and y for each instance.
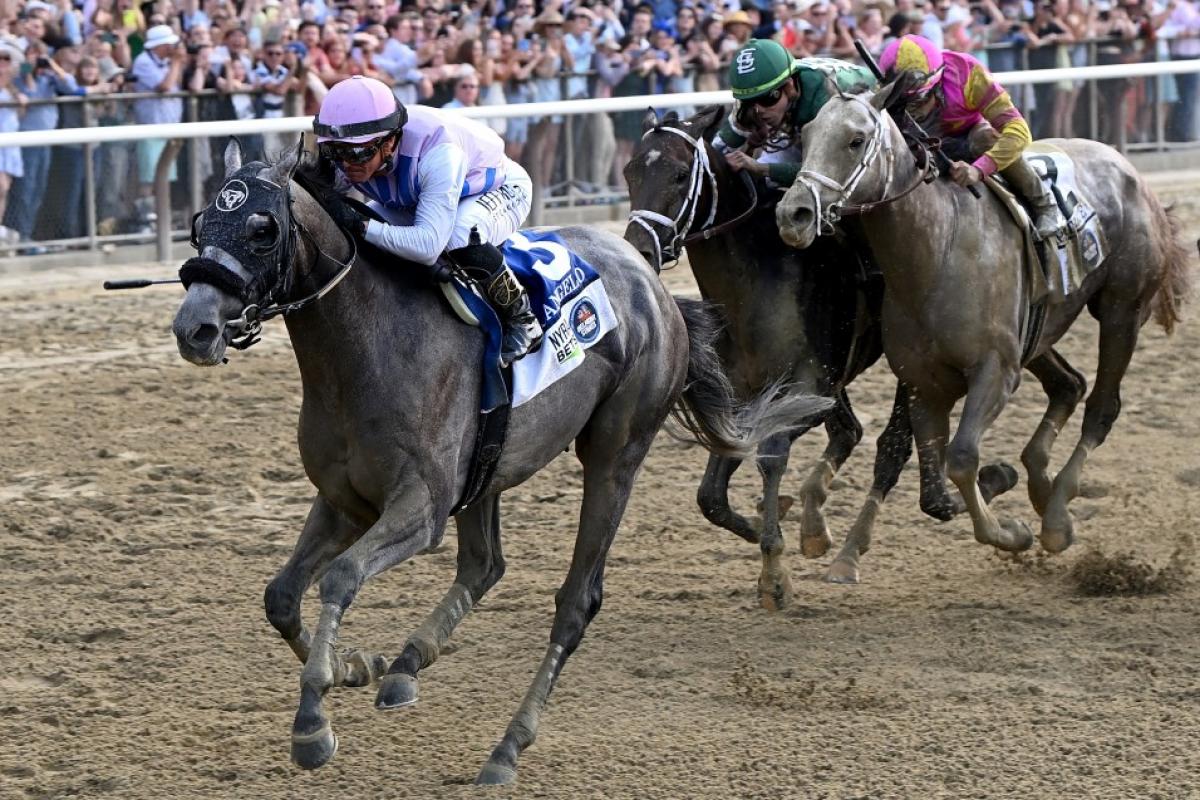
(681, 226)
(879, 144)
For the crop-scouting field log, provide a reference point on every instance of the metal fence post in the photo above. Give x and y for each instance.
(1093, 97)
(195, 201)
(162, 197)
(89, 178)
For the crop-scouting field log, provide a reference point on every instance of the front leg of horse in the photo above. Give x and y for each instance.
(845, 432)
(405, 528)
(1064, 388)
(893, 449)
(774, 583)
(713, 498)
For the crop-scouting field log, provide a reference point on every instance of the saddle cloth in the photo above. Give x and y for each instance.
(568, 297)
(1079, 250)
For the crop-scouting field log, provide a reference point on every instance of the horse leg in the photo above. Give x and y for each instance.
(1064, 387)
(480, 567)
(326, 534)
(845, 432)
(893, 448)
(774, 585)
(931, 428)
(713, 497)
(988, 389)
(407, 526)
(611, 457)
(1118, 337)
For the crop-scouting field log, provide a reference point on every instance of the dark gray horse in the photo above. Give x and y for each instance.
(390, 410)
(957, 300)
(811, 316)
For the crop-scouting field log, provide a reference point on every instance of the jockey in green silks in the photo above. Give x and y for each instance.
(777, 95)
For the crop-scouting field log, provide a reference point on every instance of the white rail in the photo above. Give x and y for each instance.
(194, 130)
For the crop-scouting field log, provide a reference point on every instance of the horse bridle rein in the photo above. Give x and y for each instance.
(879, 143)
(248, 325)
(681, 233)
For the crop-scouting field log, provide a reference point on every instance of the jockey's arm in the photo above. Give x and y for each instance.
(983, 94)
(441, 174)
(731, 135)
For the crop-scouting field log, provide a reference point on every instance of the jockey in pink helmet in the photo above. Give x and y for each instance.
(982, 132)
(441, 182)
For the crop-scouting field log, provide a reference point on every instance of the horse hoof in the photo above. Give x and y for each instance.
(775, 595)
(816, 545)
(1020, 534)
(996, 479)
(396, 691)
(312, 750)
(496, 775)
(842, 572)
(1057, 535)
(363, 668)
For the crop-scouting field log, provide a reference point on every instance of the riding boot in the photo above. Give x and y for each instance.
(1047, 219)
(522, 331)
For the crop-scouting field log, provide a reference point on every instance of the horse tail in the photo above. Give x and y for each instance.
(708, 408)
(1176, 284)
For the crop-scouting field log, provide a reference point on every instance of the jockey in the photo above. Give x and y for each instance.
(777, 95)
(960, 102)
(441, 181)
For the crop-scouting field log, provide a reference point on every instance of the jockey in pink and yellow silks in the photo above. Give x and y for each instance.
(982, 131)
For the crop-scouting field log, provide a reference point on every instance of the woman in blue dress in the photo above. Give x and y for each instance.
(10, 157)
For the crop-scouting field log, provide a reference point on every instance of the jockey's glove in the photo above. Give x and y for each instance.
(348, 218)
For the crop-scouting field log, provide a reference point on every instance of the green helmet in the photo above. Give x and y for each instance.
(760, 66)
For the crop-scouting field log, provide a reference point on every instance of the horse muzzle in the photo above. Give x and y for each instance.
(797, 223)
(200, 327)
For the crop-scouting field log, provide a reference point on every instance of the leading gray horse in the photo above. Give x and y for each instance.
(390, 410)
(956, 302)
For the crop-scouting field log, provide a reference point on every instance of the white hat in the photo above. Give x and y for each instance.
(159, 35)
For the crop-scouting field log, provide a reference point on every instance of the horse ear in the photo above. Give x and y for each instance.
(233, 156)
(671, 116)
(709, 120)
(893, 94)
(649, 120)
(286, 167)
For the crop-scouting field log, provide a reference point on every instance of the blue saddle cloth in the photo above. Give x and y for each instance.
(552, 275)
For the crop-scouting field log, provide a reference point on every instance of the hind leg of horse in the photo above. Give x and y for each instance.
(326, 535)
(893, 448)
(609, 470)
(930, 420)
(713, 497)
(1118, 337)
(407, 526)
(988, 390)
(774, 585)
(1064, 388)
(480, 567)
(845, 432)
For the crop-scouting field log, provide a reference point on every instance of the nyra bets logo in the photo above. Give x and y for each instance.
(745, 62)
(232, 195)
(585, 321)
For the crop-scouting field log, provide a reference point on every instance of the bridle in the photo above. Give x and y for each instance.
(258, 303)
(879, 144)
(681, 233)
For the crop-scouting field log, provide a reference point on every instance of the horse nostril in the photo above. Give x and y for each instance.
(204, 335)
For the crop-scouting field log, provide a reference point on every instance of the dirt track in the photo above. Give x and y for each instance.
(144, 504)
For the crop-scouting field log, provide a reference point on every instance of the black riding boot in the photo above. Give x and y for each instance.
(522, 331)
(1021, 177)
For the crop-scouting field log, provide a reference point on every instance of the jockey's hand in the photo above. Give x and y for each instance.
(739, 161)
(348, 218)
(965, 174)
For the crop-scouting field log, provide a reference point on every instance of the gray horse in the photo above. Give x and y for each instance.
(810, 315)
(956, 299)
(390, 410)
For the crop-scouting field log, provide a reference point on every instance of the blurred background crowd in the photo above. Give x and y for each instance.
(71, 63)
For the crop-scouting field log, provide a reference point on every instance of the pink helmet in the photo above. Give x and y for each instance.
(913, 53)
(358, 110)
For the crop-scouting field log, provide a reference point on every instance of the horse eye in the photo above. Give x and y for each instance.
(857, 142)
(261, 230)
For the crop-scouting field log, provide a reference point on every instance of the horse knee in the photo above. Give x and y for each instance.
(283, 608)
(962, 462)
(1099, 417)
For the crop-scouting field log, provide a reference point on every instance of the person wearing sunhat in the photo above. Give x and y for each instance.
(776, 96)
(158, 68)
(739, 26)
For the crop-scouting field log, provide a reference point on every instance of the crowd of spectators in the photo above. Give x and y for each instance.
(270, 58)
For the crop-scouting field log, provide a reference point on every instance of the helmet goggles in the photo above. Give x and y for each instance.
(349, 152)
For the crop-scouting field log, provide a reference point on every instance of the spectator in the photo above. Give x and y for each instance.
(69, 159)
(41, 79)
(739, 28)
(1179, 23)
(274, 80)
(600, 148)
(10, 157)
(581, 44)
(515, 67)
(871, 30)
(553, 58)
(159, 69)
(399, 61)
(466, 91)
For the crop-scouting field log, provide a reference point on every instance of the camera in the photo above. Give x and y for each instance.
(193, 49)
(42, 62)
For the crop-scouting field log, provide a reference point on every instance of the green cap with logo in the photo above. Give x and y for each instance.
(759, 67)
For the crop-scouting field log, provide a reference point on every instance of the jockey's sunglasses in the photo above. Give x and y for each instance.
(346, 153)
(768, 99)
